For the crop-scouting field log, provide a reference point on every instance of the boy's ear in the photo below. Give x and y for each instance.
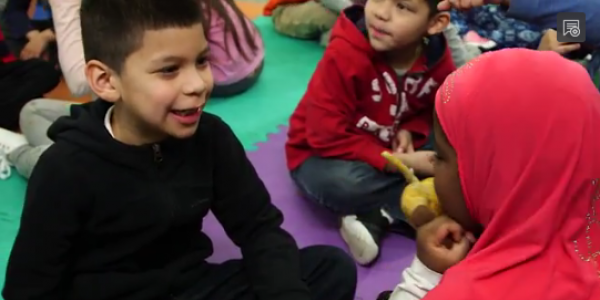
(103, 81)
(438, 23)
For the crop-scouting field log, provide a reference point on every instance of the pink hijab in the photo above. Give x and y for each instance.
(526, 129)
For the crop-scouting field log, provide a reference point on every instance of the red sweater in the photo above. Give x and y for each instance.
(355, 104)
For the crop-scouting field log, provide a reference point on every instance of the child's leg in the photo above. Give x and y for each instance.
(307, 20)
(367, 199)
(327, 271)
(239, 87)
(36, 117)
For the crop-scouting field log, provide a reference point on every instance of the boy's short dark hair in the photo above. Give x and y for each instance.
(113, 29)
(433, 6)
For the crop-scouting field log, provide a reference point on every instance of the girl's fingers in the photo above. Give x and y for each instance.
(470, 237)
(448, 230)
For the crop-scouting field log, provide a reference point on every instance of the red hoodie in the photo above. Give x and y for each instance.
(354, 103)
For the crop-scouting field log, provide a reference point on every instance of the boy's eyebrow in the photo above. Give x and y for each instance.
(173, 58)
(204, 52)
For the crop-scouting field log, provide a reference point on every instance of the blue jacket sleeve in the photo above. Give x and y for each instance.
(543, 13)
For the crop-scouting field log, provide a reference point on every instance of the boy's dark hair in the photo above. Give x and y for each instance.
(113, 29)
(433, 7)
(220, 7)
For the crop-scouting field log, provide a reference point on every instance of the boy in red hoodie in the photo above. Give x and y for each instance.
(372, 91)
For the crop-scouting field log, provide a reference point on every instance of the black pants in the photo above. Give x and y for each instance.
(21, 82)
(328, 271)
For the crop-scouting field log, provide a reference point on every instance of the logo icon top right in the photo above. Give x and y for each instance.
(570, 27)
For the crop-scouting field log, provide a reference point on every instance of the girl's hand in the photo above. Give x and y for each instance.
(442, 243)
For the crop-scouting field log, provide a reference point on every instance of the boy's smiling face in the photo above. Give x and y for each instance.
(167, 82)
(394, 24)
(163, 85)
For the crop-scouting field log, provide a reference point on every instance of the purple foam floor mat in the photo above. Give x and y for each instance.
(311, 225)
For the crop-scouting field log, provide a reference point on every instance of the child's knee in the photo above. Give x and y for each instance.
(306, 20)
(29, 109)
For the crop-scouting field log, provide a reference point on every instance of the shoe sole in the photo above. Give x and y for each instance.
(363, 248)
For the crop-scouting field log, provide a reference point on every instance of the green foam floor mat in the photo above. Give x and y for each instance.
(288, 65)
(12, 193)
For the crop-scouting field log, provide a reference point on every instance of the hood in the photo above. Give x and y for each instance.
(85, 130)
(351, 28)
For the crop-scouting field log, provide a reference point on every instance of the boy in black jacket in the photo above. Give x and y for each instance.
(114, 208)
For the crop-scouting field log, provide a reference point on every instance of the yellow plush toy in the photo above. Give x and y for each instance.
(417, 192)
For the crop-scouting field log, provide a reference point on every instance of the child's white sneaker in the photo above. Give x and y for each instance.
(9, 141)
(363, 233)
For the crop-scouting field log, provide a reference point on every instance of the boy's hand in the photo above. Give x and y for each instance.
(442, 243)
(403, 142)
(467, 4)
(420, 161)
(549, 42)
(421, 216)
(34, 48)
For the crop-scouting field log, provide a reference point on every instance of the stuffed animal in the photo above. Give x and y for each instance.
(417, 192)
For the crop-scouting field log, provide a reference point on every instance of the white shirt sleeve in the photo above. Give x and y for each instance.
(417, 280)
(67, 28)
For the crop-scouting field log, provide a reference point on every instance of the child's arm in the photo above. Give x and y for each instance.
(39, 263)
(331, 116)
(420, 161)
(417, 281)
(65, 15)
(243, 206)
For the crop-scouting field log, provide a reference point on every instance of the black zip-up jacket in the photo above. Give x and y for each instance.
(104, 221)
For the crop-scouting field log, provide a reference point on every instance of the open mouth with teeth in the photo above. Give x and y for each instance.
(185, 112)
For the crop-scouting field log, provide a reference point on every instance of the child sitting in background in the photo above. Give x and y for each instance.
(236, 48)
(373, 91)
(20, 82)
(236, 60)
(533, 211)
(117, 203)
(314, 19)
(305, 19)
(23, 150)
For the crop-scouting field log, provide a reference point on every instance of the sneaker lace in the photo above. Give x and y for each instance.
(5, 169)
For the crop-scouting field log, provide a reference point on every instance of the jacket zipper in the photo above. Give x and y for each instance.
(158, 158)
(399, 89)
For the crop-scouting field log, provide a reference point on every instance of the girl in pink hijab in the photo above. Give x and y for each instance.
(517, 135)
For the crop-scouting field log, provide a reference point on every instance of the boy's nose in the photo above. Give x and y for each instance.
(197, 83)
(383, 11)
